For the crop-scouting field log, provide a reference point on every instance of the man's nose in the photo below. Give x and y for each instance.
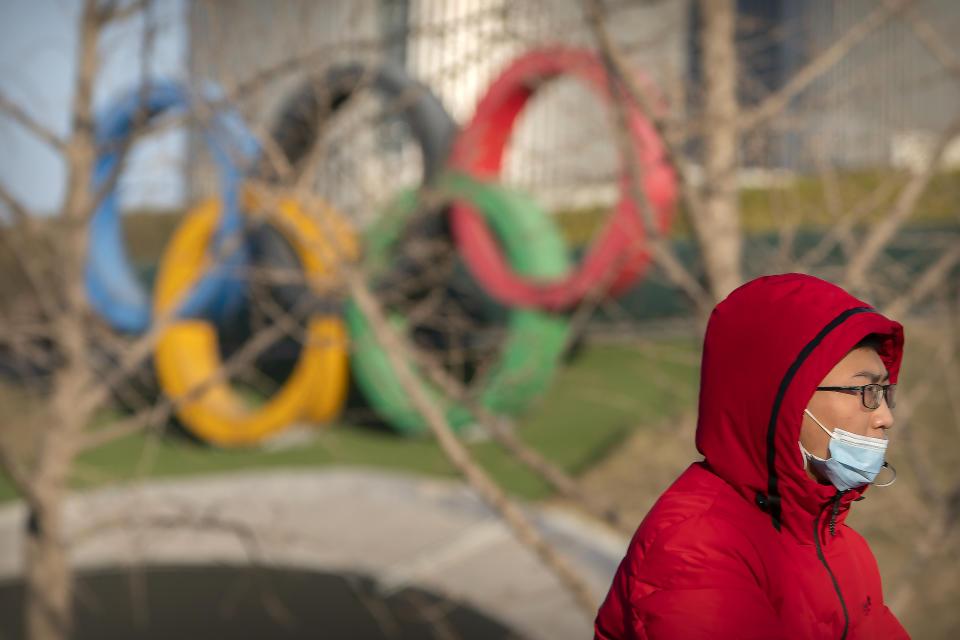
(882, 417)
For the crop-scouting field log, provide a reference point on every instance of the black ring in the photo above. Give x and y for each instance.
(301, 120)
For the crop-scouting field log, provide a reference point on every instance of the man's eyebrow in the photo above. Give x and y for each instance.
(873, 375)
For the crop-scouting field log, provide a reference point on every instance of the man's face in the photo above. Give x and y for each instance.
(839, 410)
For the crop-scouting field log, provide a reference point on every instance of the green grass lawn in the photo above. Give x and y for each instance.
(593, 403)
(802, 201)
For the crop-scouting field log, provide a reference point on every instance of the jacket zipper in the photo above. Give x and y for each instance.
(823, 560)
(836, 511)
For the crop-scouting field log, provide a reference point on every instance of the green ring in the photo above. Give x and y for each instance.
(535, 339)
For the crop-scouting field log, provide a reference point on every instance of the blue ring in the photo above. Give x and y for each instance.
(112, 287)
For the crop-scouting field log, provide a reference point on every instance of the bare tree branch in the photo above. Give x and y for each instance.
(48, 610)
(840, 232)
(98, 388)
(260, 79)
(20, 116)
(458, 454)
(19, 211)
(203, 521)
(659, 248)
(619, 68)
(881, 233)
(612, 52)
(164, 409)
(26, 254)
(932, 279)
(721, 237)
(933, 41)
(497, 426)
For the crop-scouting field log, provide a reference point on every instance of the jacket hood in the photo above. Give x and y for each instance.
(767, 347)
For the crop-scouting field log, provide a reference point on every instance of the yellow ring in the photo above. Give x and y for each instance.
(187, 355)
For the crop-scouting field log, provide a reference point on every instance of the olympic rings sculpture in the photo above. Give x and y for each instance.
(509, 246)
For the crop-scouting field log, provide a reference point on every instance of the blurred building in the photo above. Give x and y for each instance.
(882, 104)
(456, 47)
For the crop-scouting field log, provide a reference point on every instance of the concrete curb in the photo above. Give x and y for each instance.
(398, 529)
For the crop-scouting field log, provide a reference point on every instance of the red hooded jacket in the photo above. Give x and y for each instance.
(744, 544)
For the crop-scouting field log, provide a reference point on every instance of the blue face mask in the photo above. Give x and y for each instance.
(854, 460)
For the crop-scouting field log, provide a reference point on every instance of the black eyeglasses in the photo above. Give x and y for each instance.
(870, 394)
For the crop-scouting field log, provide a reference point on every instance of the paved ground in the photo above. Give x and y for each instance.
(399, 530)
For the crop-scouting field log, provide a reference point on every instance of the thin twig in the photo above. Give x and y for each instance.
(826, 60)
(47, 135)
(842, 229)
(111, 12)
(611, 50)
(241, 358)
(932, 279)
(933, 41)
(881, 233)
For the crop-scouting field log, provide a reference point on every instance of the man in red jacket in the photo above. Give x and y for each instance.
(797, 383)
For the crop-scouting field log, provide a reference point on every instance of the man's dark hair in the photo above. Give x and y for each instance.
(873, 340)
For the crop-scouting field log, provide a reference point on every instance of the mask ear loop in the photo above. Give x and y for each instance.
(820, 424)
(892, 480)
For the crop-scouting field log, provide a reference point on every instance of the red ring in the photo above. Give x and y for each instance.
(619, 254)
